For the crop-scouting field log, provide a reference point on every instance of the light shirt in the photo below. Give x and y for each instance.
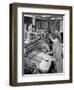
(45, 62)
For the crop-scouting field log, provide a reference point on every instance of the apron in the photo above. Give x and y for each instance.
(57, 53)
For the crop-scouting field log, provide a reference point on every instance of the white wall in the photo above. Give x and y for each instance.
(4, 46)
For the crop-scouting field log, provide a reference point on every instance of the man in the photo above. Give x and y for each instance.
(57, 52)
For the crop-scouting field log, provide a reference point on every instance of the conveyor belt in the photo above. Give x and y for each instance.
(32, 45)
(32, 42)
